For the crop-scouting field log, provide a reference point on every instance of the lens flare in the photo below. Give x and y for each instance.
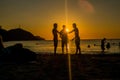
(69, 57)
(87, 6)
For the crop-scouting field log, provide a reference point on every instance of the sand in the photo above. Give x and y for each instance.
(55, 67)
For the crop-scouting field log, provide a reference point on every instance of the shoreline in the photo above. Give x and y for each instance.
(83, 53)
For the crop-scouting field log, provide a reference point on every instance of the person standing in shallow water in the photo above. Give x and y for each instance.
(55, 36)
(108, 46)
(77, 38)
(64, 37)
(103, 44)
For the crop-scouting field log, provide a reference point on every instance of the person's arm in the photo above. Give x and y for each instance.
(72, 39)
(72, 31)
(58, 32)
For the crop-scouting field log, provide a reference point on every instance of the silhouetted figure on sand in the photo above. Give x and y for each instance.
(55, 36)
(77, 38)
(108, 46)
(103, 44)
(16, 53)
(64, 37)
(119, 44)
(1, 43)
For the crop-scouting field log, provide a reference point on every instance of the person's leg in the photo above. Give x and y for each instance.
(66, 48)
(55, 49)
(62, 47)
(76, 44)
(79, 49)
(102, 48)
(55, 46)
(76, 49)
(62, 50)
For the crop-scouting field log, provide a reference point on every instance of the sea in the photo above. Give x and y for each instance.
(46, 46)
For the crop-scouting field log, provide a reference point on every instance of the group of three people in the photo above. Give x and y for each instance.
(64, 38)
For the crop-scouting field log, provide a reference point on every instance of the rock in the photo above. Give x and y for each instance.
(17, 54)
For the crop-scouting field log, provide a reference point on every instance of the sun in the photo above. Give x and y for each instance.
(67, 30)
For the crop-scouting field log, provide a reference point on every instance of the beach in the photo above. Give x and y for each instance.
(55, 67)
(40, 39)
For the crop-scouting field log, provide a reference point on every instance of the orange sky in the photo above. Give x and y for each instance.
(95, 18)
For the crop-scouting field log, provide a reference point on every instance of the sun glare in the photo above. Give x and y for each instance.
(67, 30)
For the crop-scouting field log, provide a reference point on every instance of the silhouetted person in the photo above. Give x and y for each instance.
(77, 38)
(64, 37)
(119, 44)
(94, 44)
(103, 44)
(88, 46)
(55, 36)
(1, 43)
(17, 54)
(108, 46)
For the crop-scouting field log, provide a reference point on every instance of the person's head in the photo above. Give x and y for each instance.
(64, 26)
(74, 25)
(18, 45)
(104, 38)
(55, 25)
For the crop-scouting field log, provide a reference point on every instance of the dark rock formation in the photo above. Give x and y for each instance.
(18, 34)
(3, 33)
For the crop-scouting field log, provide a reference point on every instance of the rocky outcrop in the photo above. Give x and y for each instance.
(18, 34)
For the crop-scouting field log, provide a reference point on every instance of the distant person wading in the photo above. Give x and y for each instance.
(103, 44)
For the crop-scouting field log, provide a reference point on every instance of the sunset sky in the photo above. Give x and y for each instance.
(94, 18)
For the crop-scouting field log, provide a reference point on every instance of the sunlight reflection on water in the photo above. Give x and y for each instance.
(47, 46)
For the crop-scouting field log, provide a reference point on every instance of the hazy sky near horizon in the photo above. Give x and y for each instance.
(94, 18)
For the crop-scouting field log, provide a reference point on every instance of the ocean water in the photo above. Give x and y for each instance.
(43, 47)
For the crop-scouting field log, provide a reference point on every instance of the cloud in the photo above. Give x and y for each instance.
(86, 6)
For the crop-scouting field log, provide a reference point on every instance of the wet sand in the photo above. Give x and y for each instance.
(55, 67)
